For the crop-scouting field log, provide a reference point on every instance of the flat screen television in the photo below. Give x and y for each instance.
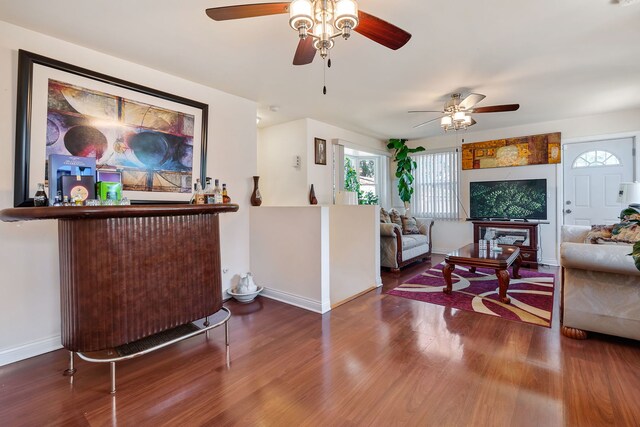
(515, 199)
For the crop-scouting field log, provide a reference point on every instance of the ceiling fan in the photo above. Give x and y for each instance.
(457, 111)
(318, 23)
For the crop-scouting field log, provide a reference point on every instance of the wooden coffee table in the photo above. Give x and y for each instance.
(471, 256)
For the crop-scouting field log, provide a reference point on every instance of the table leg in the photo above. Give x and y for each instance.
(446, 272)
(516, 267)
(503, 282)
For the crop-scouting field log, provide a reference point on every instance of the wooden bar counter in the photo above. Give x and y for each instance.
(127, 272)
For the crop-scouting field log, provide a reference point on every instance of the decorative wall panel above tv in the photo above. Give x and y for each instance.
(521, 151)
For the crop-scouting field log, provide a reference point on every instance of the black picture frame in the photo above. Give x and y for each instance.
(24, 120)
(320, 149)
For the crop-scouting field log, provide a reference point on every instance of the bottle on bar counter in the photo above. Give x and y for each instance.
(193, 195)
(57, 201)
(40, 199)
(199, 194)
(217, 192)
(225, 196)
(208, 192)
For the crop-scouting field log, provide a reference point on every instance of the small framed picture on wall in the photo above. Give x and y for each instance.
(321, 151)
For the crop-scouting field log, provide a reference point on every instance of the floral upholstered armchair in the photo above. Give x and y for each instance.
(403, 240)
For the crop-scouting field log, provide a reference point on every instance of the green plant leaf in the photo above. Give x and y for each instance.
(405, 166)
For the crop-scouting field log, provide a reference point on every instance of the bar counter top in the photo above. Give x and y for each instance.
(99, 212)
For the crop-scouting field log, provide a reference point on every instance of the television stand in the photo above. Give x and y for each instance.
(520, 233)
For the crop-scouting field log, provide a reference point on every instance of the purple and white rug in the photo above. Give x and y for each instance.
(531, 295)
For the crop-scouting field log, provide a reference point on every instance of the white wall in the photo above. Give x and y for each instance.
(290, 254)
(315, 256)
(448, 236)
(354, 250)
(282, 184)
(29, 307)
(285, 185)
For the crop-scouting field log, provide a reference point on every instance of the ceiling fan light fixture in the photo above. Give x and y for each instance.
(301, 14)
(446, 121)
(346, 15)
(467, 120)
(323, 34)
(459, 116)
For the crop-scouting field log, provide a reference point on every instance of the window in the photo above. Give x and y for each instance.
(361, 175)
(596, 158)
(436, 188)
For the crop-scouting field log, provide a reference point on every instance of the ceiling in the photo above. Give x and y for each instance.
(558, 59)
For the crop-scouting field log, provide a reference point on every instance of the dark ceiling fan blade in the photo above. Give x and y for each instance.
(427, 122)
(381, 31)
(425, 111)
(305, 52)
(471, 100)
(247, 10)
(496, 108)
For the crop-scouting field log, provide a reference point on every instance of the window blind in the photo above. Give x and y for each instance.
(436, 185)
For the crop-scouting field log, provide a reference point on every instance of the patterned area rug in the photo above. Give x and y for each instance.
(531, 295)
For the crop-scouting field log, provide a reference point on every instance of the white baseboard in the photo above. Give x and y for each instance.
(378, 280)
(298, 301)
(25, 351)
(549, 261)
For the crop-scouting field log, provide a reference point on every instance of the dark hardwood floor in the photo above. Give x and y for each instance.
(377, 360)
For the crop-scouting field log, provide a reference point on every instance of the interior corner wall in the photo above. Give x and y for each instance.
(30, 303)
(321, 176)
(448, 236)
(281, 182)
(283, 185)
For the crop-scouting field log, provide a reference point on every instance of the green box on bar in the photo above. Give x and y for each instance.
(109, 190)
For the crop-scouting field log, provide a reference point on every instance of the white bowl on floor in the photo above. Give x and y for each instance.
(245, 298)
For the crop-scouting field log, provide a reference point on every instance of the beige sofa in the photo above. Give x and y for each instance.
(398, 250)
(601, 287)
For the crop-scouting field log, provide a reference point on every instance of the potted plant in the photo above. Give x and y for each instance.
(405, 166)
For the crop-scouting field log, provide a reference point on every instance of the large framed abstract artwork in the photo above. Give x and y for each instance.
(521, 151)
(157, 141)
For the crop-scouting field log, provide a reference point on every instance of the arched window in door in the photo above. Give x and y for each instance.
(596, 158)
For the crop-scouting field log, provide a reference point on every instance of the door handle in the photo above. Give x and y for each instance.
(568, 211)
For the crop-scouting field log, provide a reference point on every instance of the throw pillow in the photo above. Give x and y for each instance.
(598, 232)
(395, 217)
(384, 216)
(409, 225)
(626, 232)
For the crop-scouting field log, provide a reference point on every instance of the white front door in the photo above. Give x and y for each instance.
(593, 172)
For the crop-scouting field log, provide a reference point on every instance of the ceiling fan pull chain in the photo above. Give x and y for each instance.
(324, 78)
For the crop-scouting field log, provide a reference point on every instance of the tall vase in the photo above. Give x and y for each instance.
(312, 196)
(256, 198)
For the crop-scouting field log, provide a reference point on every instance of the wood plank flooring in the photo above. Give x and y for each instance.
(378, 360)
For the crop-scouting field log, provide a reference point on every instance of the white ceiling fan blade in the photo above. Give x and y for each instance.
(425, 111)
(471, 100)
(427, 122)
(473, 122)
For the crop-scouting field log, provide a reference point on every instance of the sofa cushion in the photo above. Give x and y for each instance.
(409, 225)
(384, 216)
(396, 218)
(410, 241)
(622, 233)
(598, 232)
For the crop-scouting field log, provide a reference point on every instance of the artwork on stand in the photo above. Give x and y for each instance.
(521, 151)
(321, 151)
(157, 141)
